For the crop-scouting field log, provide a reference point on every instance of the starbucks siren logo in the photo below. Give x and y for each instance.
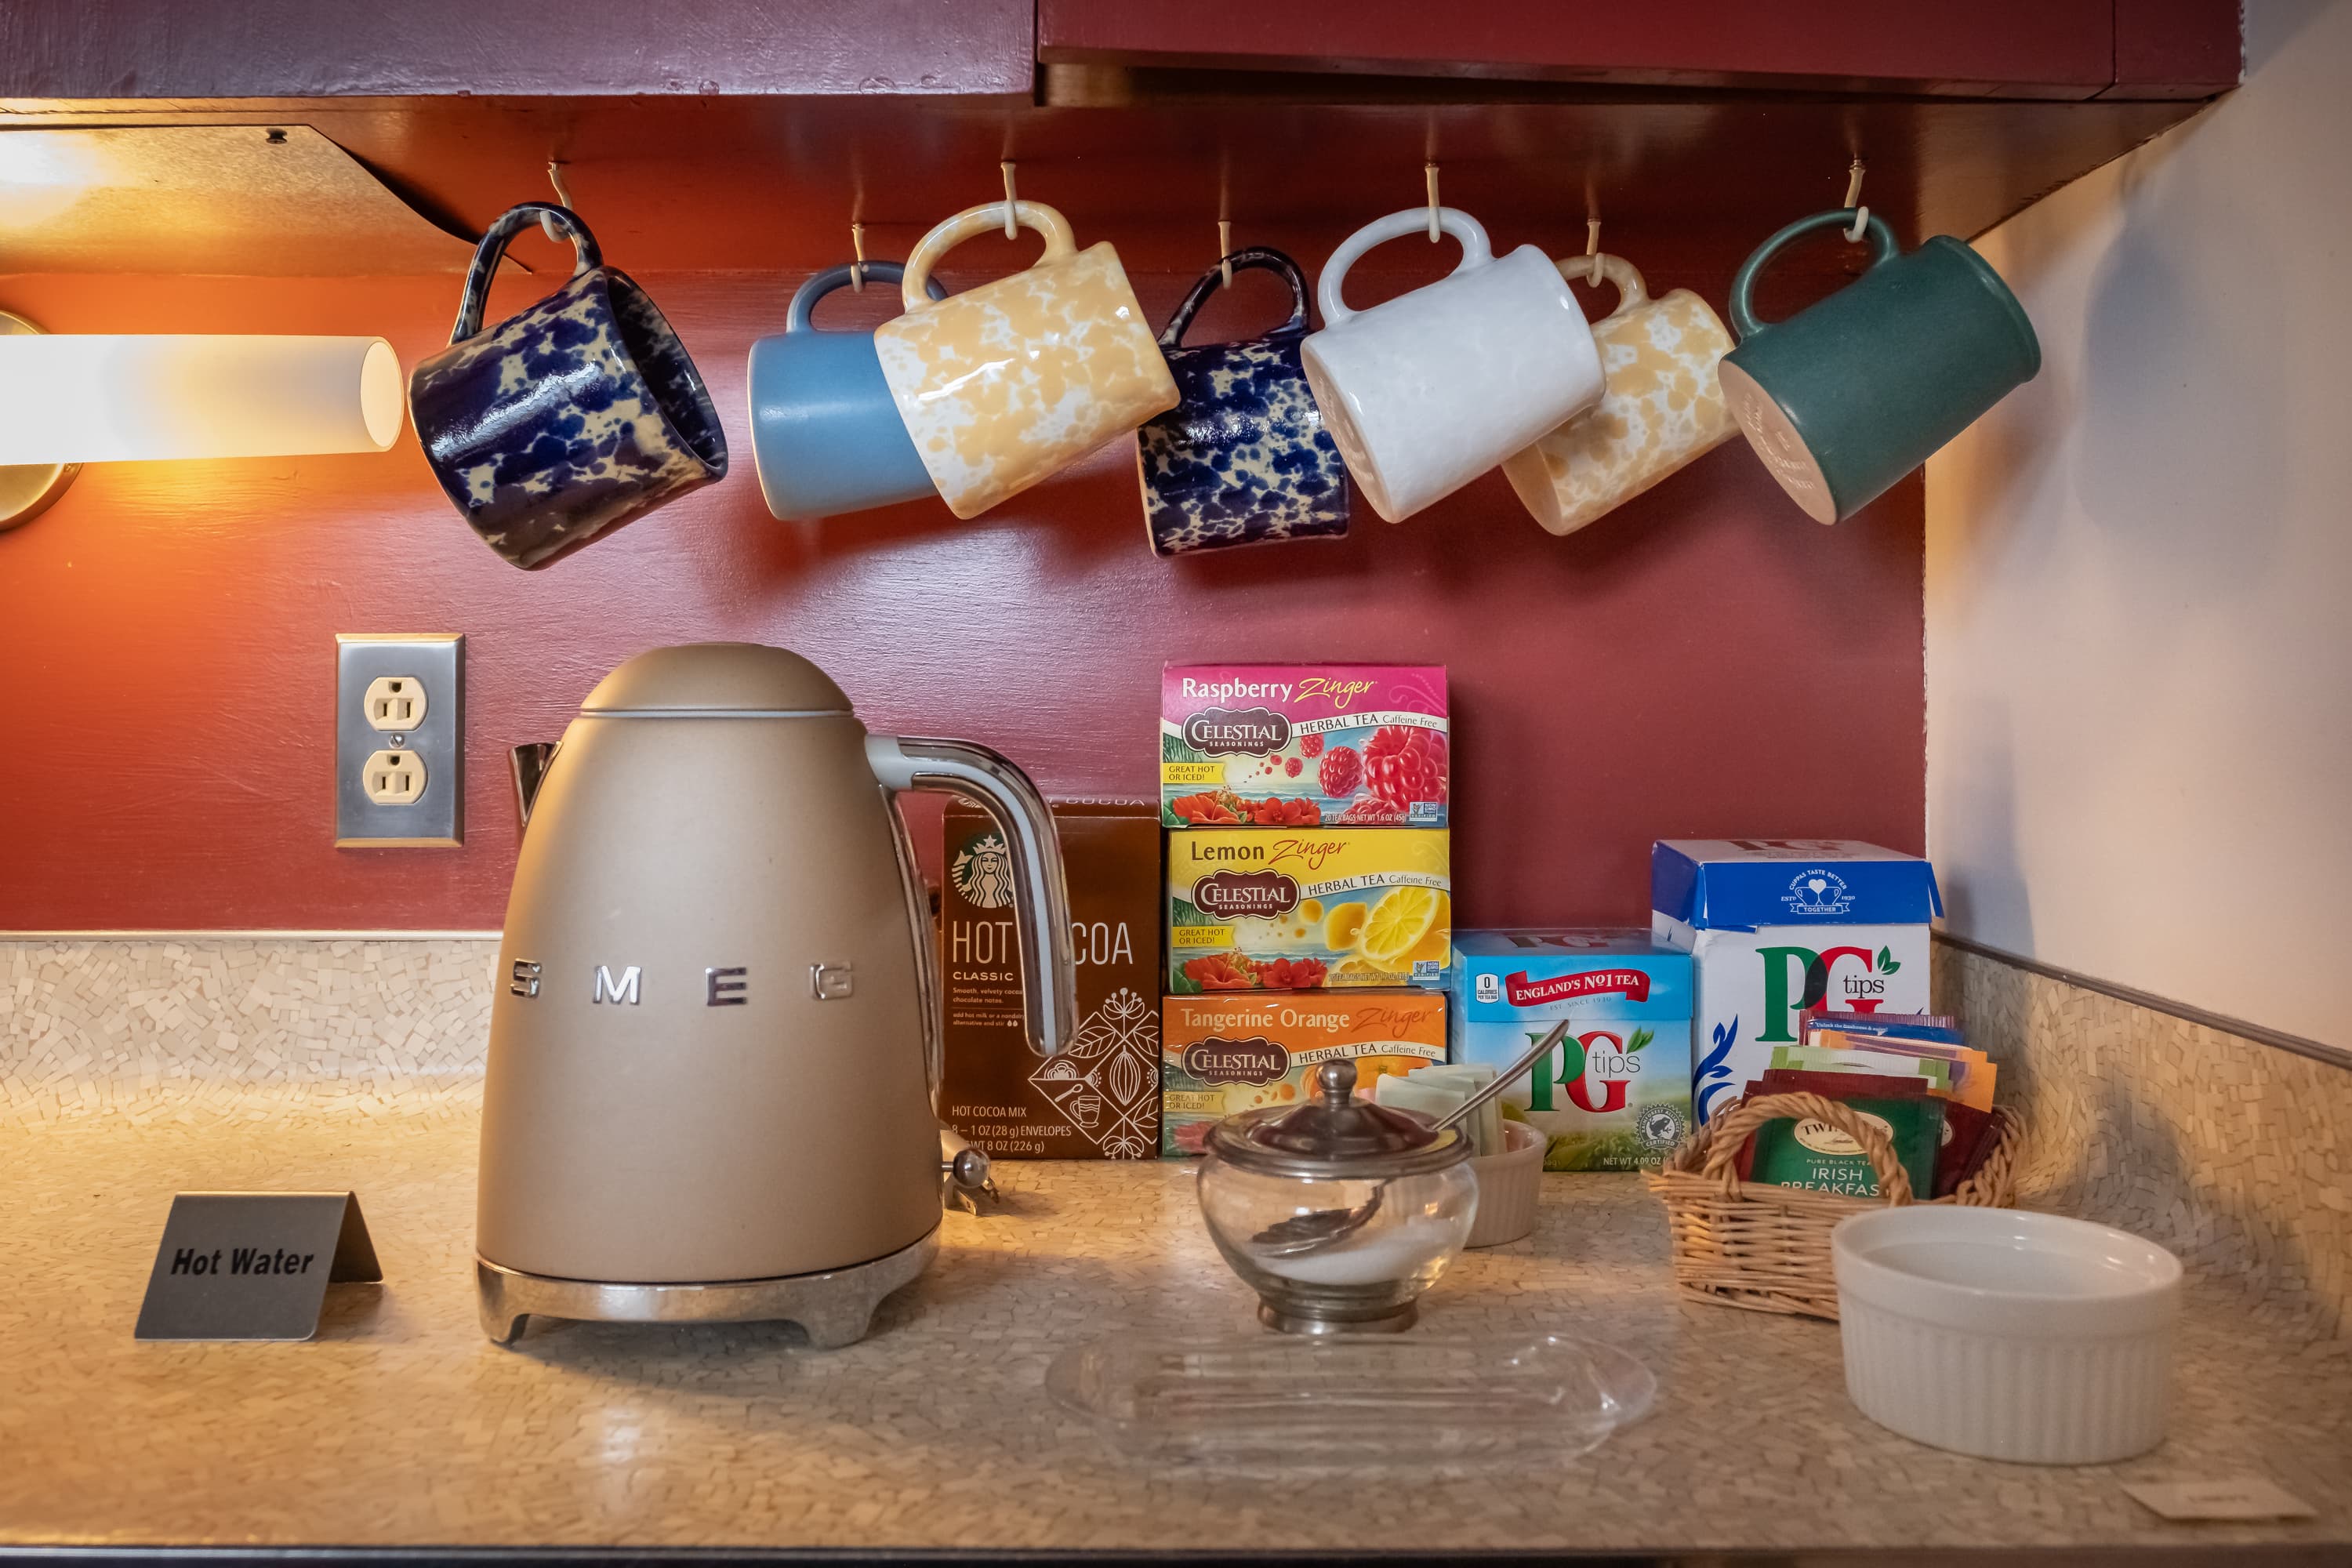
(983, 873)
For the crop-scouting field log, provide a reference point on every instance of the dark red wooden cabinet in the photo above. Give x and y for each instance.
(1990, 48)
(261, 50)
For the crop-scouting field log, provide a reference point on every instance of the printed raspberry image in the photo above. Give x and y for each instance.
(1311, 745)
(1403, 763)
(1341, 771)
(1293, 766)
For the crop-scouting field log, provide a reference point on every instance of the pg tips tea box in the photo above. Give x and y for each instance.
(1233, 1053)
(1098, 1097)
(1302, 745)
(1272, 909)
(1614, 1095)
(1776, 925)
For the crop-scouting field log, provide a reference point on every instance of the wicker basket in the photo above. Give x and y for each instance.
(1767, 1247)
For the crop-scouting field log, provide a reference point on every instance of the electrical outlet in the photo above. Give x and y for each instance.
(400, 739)
(395, 702)
(393, 778)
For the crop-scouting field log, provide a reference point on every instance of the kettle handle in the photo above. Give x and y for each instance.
(1041, 906)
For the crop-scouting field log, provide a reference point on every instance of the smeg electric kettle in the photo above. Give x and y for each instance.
(715, 1041)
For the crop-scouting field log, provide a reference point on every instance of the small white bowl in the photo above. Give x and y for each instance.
(1508, 1184)
(2007, 1334)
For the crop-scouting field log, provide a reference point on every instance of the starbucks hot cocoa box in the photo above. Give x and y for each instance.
(1098, 1097)
(1776, 925)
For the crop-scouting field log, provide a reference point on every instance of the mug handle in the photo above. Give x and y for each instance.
(1213, 278)
(801, 317)
(1744, 323)
(1633, 293)
(1476, 252)
(1061, 242)
(496, 239)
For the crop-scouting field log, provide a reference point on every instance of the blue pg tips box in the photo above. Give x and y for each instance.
(1614, 1094)
(1776, 925)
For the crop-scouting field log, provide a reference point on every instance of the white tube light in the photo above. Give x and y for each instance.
(98, 398)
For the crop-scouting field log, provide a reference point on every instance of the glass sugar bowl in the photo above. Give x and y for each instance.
(1338, 1213)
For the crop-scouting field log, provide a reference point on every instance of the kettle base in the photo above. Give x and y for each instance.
(836, 1307)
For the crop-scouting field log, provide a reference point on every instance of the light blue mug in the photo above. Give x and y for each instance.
(827, 438)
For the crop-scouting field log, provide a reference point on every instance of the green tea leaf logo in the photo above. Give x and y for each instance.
(1640, 1037)
(1886, 965)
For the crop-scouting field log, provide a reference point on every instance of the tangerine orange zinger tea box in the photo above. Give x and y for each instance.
(1303, 745)
(1277, 908)
(1220, 1054)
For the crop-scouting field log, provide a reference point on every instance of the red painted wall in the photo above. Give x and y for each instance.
(1705, 662)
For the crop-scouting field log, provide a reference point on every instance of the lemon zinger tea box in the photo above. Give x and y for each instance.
(1273, 909)
(1615, 1093)
(1227, 1054)
(1303, 745)
(1776, 925)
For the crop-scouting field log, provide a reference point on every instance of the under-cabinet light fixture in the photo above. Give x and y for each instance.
(72, 398)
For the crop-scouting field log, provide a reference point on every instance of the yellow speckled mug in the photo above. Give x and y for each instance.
(1005, 384)
(1663, 404)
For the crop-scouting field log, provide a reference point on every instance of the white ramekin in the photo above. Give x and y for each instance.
(1508, 1185)
(2007, 1334)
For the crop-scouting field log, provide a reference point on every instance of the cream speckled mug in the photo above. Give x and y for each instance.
(1663, 405)
(1005, 384)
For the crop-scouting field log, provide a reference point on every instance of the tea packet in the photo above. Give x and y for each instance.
(1804, 1151)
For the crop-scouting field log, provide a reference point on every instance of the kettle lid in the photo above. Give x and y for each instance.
(717, 678)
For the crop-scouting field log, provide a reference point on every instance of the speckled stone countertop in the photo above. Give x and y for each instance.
(402, 1427)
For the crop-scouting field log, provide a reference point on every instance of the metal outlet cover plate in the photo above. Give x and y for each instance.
(436, 817)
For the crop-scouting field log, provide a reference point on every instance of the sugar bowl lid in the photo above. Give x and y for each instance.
(1334, 1134)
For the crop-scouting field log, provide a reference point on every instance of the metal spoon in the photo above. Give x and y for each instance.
(1305, 1233)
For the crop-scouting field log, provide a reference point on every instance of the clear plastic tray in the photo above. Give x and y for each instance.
(1292, 1402)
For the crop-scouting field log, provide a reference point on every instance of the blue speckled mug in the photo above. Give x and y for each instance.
(827, 438)
(559, 423)
(1243, 459)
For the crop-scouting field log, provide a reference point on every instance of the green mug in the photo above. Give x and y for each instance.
(1856, 390)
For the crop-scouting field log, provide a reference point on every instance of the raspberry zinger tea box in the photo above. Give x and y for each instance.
(1303, 745)
(1615, 1093)
(1776, 925)
(1277, 908)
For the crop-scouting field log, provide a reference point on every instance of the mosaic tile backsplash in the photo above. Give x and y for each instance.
(203, 1028)
(2237, 1155)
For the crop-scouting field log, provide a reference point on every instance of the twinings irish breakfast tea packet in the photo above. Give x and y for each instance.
(1100, 1096)
(1225, 1054)
(1302, 745)
(1279, 908)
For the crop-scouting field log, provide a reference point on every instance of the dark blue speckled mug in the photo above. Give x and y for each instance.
(559, 423)
(1243, 459)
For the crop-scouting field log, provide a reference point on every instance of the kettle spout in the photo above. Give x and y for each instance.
(530, 764)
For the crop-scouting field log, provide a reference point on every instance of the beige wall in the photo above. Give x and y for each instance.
(2139, 567)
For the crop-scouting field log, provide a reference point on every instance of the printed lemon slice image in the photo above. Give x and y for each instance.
(1343, 926)
(1398, 923)
(1437, 946)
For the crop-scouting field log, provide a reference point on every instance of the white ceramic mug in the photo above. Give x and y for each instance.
(1430, 390)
